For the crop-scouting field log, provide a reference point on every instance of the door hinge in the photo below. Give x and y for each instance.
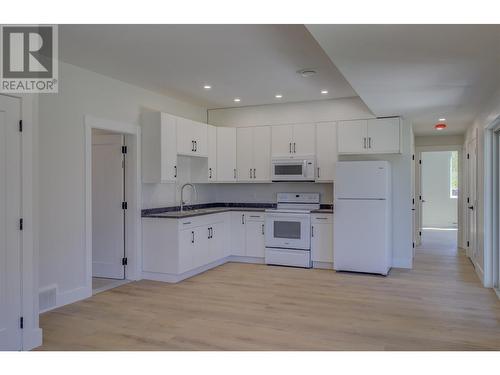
(420, 162)
(21, 224)
(20, 126)
(124, 261)
(124, 205)
(21, 322)
(124, 149)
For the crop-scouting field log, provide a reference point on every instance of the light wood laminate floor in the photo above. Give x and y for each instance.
(439, 305)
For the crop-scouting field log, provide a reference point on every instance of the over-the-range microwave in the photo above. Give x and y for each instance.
(296, 169)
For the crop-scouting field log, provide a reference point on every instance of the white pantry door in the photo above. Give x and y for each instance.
(10, 235)
(108, 217)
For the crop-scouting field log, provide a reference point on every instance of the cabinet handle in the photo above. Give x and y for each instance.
(262, 229)
(318, 172)
(312, 230)
(294, 148)
(254, 215)
(192, 146)
(211, 232)
(243, 219)
(250, 172)
(254, 170)
(290, 147)
(175, 171)
(210, 173)
(192, 236)
(234, 171)
(369, 142)
(186, 223)
(321, 218)
(195, 146)
(364, 142)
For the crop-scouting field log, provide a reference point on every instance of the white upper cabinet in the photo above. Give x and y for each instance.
(374, 136)
(244, 149)
(159, 147)
(191, 138)
(326, 151)
(226, 154)
(293, 140)
(383, 135)
(351, 137)
(262, 153)
(304, 139)
(282, 139)
(212, 153)
(253, 154)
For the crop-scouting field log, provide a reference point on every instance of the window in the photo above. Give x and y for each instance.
(454, 174)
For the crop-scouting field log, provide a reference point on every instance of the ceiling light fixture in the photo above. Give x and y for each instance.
(440, 126)
(307, 72)
(442, 119)
(207, 87)
(324, 92)
(278, 96)
(237, 100)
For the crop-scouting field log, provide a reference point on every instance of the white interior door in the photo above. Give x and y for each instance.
(108, 240)
(10, 235)
(472, 200)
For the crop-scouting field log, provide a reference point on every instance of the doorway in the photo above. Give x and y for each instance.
(439, 197)
(112, 204)
(108, 209)
(11, 323)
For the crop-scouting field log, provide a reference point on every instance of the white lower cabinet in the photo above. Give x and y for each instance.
(237, 233)
(322, 239)
(254, 235)
(172, 248)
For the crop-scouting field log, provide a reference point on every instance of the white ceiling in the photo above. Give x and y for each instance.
(253, 62)
(423, 72)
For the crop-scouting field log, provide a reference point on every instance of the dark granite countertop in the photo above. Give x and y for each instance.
(214, 208)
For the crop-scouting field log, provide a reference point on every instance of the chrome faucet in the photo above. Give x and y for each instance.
(182, 194)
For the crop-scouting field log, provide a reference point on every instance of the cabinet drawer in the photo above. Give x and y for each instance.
(254, 216)
(322, 218)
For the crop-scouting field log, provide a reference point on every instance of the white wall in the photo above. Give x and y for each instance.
(328, 110)
(489, 113)
(439, 210)
(439, 140)
(61, 165)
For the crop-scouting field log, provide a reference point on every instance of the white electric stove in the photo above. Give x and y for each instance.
(288, 229)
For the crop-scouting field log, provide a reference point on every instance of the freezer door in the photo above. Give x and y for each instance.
(362, 179)
(361, 236)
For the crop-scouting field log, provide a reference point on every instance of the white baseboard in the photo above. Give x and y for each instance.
(479, 272)
(323, 265)
(32, 338)
(402, 263)
(72, 296)
(497, 292)
(175, 278)
(244, 259)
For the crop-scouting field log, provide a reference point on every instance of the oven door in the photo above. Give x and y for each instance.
(288, 230)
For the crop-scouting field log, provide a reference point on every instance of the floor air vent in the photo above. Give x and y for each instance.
(47, 298)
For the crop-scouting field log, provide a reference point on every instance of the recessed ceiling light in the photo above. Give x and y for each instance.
(442, 119)
(324, 92)
(207, 87)
(278, 96)
(237, 100)
(307, 72)
(440, 126)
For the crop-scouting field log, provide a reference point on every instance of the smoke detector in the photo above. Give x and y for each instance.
(307, 72)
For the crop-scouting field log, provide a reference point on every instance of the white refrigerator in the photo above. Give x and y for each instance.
(362, 224)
